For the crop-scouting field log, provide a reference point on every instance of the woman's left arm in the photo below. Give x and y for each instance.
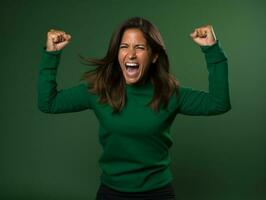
(217, 99)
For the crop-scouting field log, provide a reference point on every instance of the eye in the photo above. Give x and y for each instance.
(123, 46)
(140, 47)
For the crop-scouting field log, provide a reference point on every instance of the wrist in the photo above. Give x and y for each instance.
(51, 50)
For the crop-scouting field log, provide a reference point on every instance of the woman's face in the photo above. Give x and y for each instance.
(134, 55)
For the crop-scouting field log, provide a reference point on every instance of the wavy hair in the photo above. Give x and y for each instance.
(107, 80)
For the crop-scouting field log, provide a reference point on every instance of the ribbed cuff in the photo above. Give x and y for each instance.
(214, 53)
(50, 59)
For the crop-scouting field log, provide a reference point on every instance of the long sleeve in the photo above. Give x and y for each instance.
(50, 100)
(216, 100)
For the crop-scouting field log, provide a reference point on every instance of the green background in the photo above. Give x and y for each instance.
(44, 156)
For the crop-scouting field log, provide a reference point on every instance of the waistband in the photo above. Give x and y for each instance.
(163, 193)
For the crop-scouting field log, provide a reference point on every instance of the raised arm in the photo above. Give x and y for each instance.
(50, 100)
(216, 100)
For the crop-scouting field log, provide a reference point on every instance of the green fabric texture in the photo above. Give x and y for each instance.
(136, 141)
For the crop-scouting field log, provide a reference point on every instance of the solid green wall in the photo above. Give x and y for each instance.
(44, 156)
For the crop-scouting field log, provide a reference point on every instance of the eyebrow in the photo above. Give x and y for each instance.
(141, 44)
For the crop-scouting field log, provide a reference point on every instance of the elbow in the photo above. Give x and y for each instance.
(44, 107)
(225, 108)
(48, 108)
(220, 105)
(220, 109)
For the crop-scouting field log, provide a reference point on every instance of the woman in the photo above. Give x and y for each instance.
(135, 100)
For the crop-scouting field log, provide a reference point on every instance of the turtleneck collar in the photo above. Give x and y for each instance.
(140, 87)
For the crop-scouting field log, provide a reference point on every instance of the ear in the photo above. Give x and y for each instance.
(155, 57)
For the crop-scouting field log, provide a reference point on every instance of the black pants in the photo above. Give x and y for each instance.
(164, 193)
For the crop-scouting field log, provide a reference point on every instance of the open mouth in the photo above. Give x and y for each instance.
(132, 69)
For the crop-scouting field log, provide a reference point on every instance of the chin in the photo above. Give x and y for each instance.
(131, 81)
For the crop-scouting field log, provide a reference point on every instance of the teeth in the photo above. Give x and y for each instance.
(131, 64)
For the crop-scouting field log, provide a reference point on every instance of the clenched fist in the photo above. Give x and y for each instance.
(204, 36)
(56, 40)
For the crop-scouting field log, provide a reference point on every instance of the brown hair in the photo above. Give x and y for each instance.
(107, 80)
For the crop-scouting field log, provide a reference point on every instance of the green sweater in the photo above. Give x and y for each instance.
(136, 141)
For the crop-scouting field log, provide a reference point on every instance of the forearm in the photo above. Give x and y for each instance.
(47, 86)
(216, 100)
(50, 100)
(217, 65)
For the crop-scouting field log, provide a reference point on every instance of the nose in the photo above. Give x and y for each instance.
(131, 54)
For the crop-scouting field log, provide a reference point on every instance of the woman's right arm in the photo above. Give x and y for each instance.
(51, 100)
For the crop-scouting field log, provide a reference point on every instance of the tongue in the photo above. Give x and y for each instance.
(132, 71)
